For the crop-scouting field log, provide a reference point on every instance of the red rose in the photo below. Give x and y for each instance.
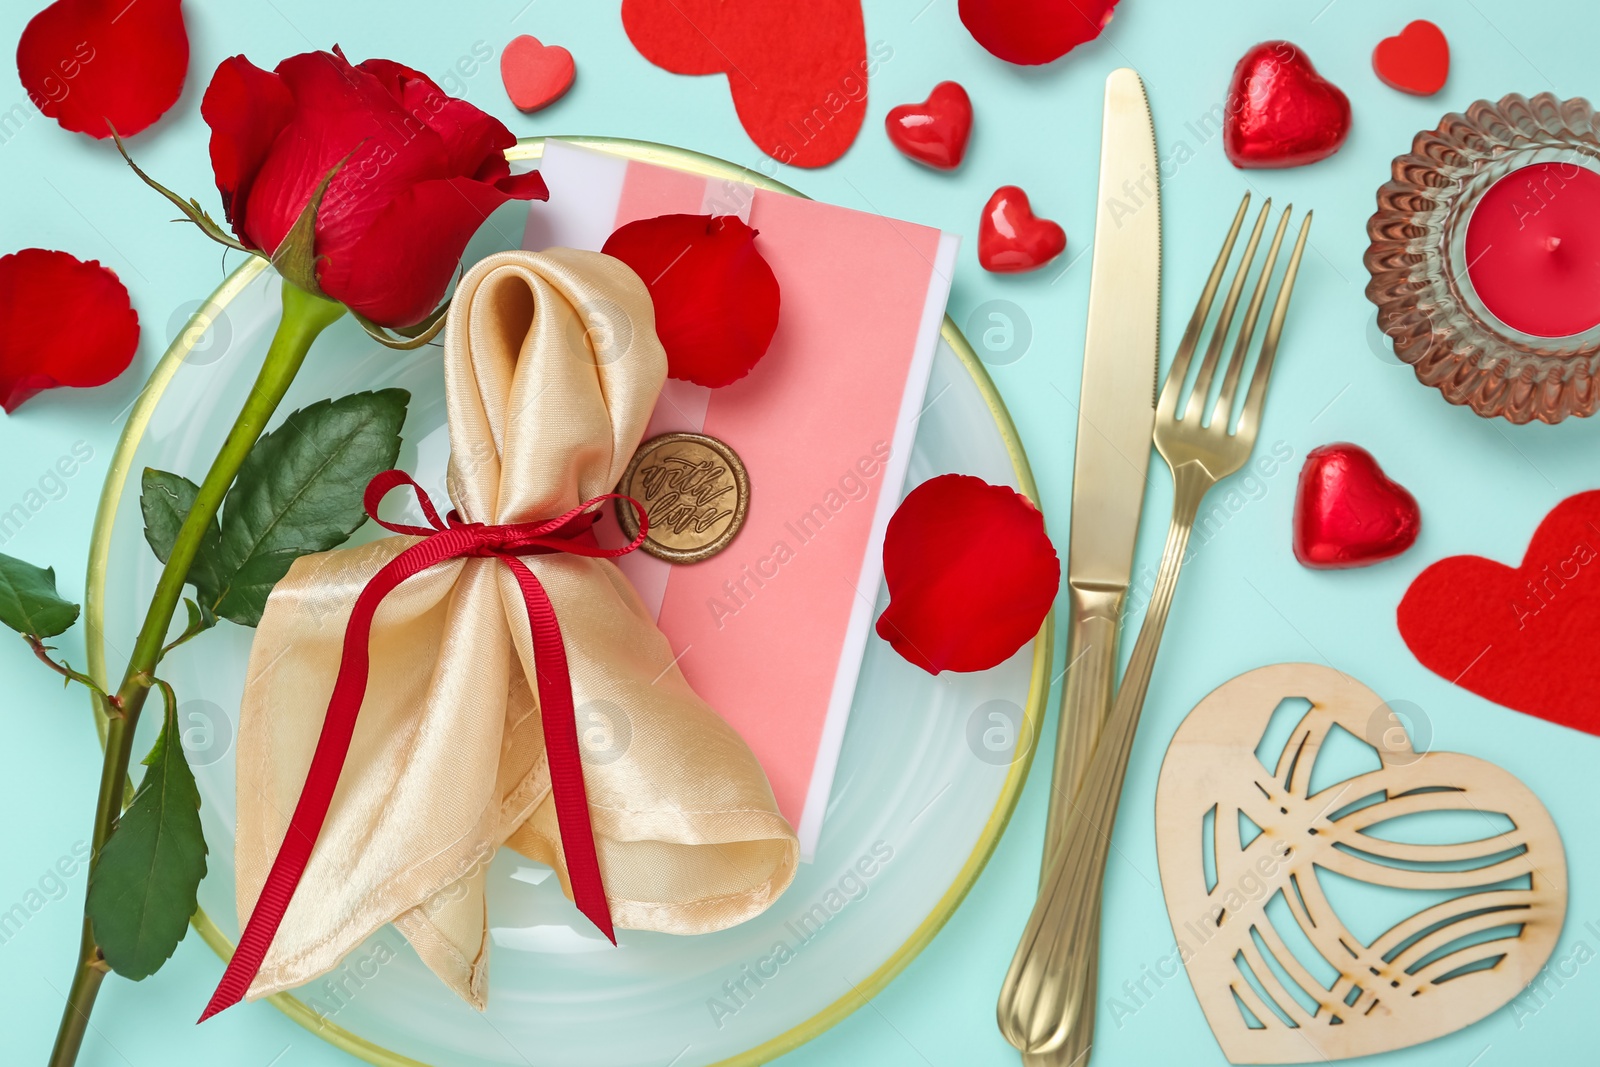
(418, 172)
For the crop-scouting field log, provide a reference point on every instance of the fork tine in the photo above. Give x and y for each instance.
(1191, 336)
(1250, 418)
(1241, 347)
(1208, 367)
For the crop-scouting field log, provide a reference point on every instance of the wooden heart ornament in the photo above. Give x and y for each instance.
(1312, 923)
(1521, 636)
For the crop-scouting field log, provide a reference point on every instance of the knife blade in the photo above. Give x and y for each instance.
(1116, 414)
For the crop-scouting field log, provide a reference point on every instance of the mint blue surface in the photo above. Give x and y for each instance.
(1244, 601)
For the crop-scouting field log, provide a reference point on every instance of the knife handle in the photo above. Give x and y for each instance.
(1085, 700)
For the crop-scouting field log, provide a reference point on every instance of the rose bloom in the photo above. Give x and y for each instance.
(418, 172)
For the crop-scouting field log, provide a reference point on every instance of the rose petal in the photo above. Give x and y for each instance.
(62, 322)
(87, 63)
(440, 215)
(971, 574)
(715, 297)
(1034, 31)
(246, 108)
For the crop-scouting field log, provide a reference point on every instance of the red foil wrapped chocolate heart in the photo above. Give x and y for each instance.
(1281, 112)
(1348, 513)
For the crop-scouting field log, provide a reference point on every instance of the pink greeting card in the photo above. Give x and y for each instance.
(771, 630)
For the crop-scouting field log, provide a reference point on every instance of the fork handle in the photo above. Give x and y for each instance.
(1047, 1002)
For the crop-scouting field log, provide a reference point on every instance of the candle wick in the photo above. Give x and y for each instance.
(1552, 243)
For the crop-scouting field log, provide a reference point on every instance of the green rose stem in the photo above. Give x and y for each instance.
(305, 316)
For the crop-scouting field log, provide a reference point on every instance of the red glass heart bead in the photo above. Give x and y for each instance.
(1012, 238)
(935, 131)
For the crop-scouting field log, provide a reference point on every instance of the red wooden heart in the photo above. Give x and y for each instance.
(1348, 513)
(935, 131)
(536, 75)
(1520, 636)
(1416, 60)
(1281, 112)
(798, 72)
(1012, 238)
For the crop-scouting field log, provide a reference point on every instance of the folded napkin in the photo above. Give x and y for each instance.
(447, 760)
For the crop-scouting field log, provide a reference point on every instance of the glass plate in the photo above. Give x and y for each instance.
(930, 770)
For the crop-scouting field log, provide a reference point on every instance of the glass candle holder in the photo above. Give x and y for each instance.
(1422, 276)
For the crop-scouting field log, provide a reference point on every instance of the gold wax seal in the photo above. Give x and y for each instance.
(695, 491)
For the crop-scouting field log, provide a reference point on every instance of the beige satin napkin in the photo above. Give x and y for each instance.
(447, 762)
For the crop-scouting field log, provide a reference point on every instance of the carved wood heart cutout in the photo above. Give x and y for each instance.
(1325, 911)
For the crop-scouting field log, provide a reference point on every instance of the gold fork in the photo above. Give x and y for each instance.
(1047, 1003)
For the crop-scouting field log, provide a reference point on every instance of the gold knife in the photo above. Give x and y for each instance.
(1116, 413)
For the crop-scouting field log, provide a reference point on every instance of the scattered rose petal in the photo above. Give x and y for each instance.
(716, 298)
(1034, 31)
(94, 64)
(62, 322)
(971, 574)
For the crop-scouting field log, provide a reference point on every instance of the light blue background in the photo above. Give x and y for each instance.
(1482, 485)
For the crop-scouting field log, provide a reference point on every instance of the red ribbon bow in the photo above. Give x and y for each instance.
(567, 533)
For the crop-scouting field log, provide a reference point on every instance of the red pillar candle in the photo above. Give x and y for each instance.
(1533, 249)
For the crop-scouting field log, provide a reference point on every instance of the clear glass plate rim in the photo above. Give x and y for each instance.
(1039, 683)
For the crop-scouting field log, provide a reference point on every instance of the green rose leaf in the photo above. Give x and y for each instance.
(300, 491)
(142, 888)
(28, 600)
(165, 500)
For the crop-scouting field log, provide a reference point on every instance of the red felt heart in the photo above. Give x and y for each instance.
(1348, 513)
(1519, 636)
(1281, 112)
(536, 75)
(935, 131)
(1012, 238)
(798, 72)
(1416, 60)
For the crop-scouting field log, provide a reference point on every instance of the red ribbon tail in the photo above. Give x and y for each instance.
(556, 713)
(333, 745)
(558, 718)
